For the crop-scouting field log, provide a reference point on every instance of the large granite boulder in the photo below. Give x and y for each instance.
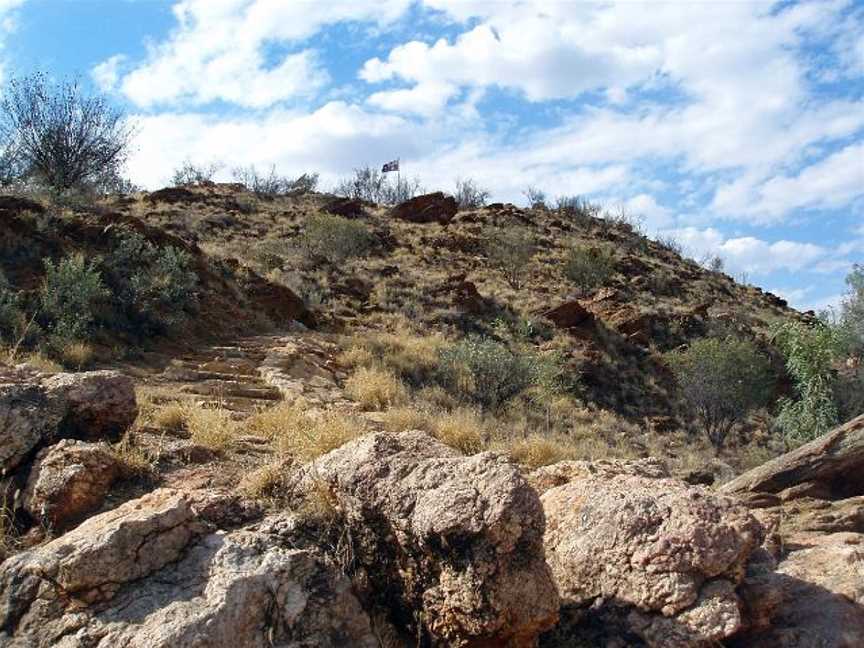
(38, 410)
(664, 555)
(153, 573)
(452, 541)
(69, 480)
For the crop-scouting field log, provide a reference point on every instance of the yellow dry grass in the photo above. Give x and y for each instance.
(463, 429)
(303, 434)
(375, 388)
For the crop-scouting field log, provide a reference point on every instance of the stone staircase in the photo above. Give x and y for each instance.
(258, 371)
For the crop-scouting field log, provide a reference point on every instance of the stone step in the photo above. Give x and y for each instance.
(191, 374)
(231, 389)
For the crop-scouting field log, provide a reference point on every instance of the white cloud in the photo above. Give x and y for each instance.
(219, 51)
(753, 255)
(740, 105)
(330, 140)
(7, 26)
(107, 74)
(832, 182)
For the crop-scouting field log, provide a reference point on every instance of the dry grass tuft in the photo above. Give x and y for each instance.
(36, 359)
(536, 451)
(211, 428)
(463, 429)
(135, 463)
(266, 482)
(303, 434)
(376, 388)
(406, 417)
(171, 416)
(76, 355)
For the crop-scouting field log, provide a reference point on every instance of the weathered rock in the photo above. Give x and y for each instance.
(152, 574)
(568, 315)
(345, 207)
(69, 480)
(30, 418)
(564, 472)
(833, 463)
(669, 553)
(99, 404)
(454, 541)
(172, 195)
(428, 208)
(821, 594)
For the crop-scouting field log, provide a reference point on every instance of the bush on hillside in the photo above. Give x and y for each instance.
(156, 287)
(488, 373)
(371, 185)
(811, 352)
(189, 174)
(69, 294)
(272, 184)
(721, 381)
(57, 135)
(589, 267)
(10, 311)
(469, 195)
(536, 197)
(577, 209)
(335, 238)
(510, 250)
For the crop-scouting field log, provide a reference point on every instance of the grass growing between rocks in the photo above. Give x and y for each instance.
(301, 434)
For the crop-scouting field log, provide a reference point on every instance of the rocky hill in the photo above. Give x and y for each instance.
(310, 421)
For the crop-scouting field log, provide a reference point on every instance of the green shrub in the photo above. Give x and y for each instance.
(852, 311)
(70, 291)
(336, 238)
(154, 286)
(721, 381)
(589, 267)
(510, 250)
(10, 311)
(487, 372)
(810, 352)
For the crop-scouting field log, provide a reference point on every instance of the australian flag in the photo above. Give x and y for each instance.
(390, 166)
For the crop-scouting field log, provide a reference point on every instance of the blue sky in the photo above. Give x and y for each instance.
(736, 127)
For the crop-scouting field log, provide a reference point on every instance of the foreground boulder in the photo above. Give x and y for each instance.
(428, 208)
(812, 499)
(453, 541)
(99, 404)
(665, 556)
(153, 574)
(39, 410)
(829, 467)
(69, 480)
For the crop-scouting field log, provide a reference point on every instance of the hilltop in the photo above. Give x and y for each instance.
(321, 421)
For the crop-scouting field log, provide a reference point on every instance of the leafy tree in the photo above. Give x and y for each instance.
(60, 136)
(852, 310)
(810, 352)
(721, 381)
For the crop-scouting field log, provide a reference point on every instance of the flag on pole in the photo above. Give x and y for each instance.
(390, 166)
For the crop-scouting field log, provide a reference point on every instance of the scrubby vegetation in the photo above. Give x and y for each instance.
(511, 249)
(721, 382)
(335, 238)
(589, 267)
